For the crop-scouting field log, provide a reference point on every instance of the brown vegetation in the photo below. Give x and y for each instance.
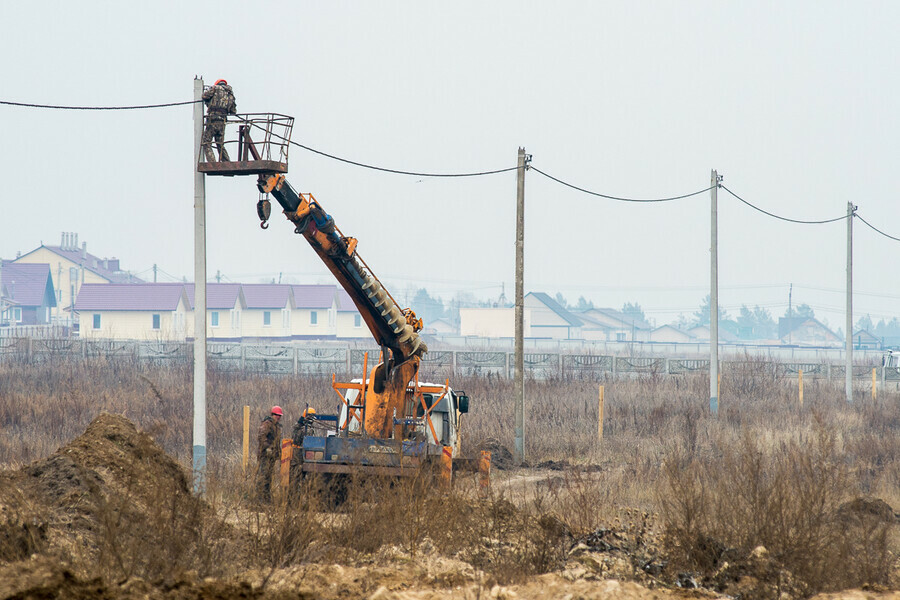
(768, 497)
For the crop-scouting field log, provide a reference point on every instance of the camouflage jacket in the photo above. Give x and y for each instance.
(301, 430)
(269, 436)
(219, 100)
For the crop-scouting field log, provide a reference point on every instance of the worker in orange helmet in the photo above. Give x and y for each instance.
(219, 100)
(269, 441)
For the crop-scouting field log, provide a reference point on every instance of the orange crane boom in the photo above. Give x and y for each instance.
(395, 329)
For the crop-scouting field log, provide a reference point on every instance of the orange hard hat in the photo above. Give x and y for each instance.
(221, 81)
(309, 412)
(276, 410)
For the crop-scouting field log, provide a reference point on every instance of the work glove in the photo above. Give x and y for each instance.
(268, 452)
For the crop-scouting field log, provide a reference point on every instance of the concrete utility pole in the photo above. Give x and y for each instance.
(520, 307)
(199, 299)
(848, 336)
(714, 295)
(791, 315)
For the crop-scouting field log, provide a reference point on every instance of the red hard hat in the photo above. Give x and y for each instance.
(222, 81)
(276, 410)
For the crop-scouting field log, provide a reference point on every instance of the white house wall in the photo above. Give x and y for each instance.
(253, 324)
(556, 332)
(325, 326)
(492, 322)
(229, 327)
(670, 335)
(134, 325)
(541, 314)
(347, 328)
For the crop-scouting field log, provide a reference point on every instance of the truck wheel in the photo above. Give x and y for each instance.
(335, 490)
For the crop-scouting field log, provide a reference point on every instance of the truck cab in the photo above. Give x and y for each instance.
(436, 423)
(891, 359)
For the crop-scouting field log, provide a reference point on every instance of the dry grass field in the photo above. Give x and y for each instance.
(767, 499)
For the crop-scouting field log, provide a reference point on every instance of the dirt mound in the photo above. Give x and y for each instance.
(111, 498)
(22, 530)
(867, 509)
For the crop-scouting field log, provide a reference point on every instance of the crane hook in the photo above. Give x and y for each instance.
(263, 210)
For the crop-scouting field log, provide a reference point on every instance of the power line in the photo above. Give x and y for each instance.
(469, 174)
(60, 107)
(765, 212)
(599, 195)
(400, 172)
(873, 228)
(376, 168)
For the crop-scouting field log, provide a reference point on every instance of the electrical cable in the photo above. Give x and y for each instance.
(448, 175)
(620, 199)
(59, 107)
(399, 172)
(801, 221)
(373, 167)
(876, 229)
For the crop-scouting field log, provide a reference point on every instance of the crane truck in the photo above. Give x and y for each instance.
(388, 421)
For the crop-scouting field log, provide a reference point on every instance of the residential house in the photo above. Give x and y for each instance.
(350, 324)
(615, 325)
(491, 322)
(224, 305)
(806, 331)
(593, 329)
(550, 320)
(148, 311)
(441, 327)
(7, 317)
(70, 267)
(701, 333)
(862, 339)
(27, 294)
(315, 312)
(670, 334)
(268, 311)
(542, 317)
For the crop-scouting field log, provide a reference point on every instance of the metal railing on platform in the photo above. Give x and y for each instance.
(252, 143)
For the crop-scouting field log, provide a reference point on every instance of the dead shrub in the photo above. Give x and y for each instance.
(785, 497)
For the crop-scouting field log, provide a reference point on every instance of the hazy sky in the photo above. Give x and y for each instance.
(794, 103)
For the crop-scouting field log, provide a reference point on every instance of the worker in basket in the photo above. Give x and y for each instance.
(301, 430)
(219, 100)
(268, 453)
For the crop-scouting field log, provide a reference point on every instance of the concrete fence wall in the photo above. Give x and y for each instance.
(290, 359)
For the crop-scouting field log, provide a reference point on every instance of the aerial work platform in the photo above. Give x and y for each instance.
(256, 143)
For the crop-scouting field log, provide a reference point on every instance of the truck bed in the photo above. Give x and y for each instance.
(337, 454)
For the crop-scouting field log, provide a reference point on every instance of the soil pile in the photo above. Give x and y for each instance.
(111, 499)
